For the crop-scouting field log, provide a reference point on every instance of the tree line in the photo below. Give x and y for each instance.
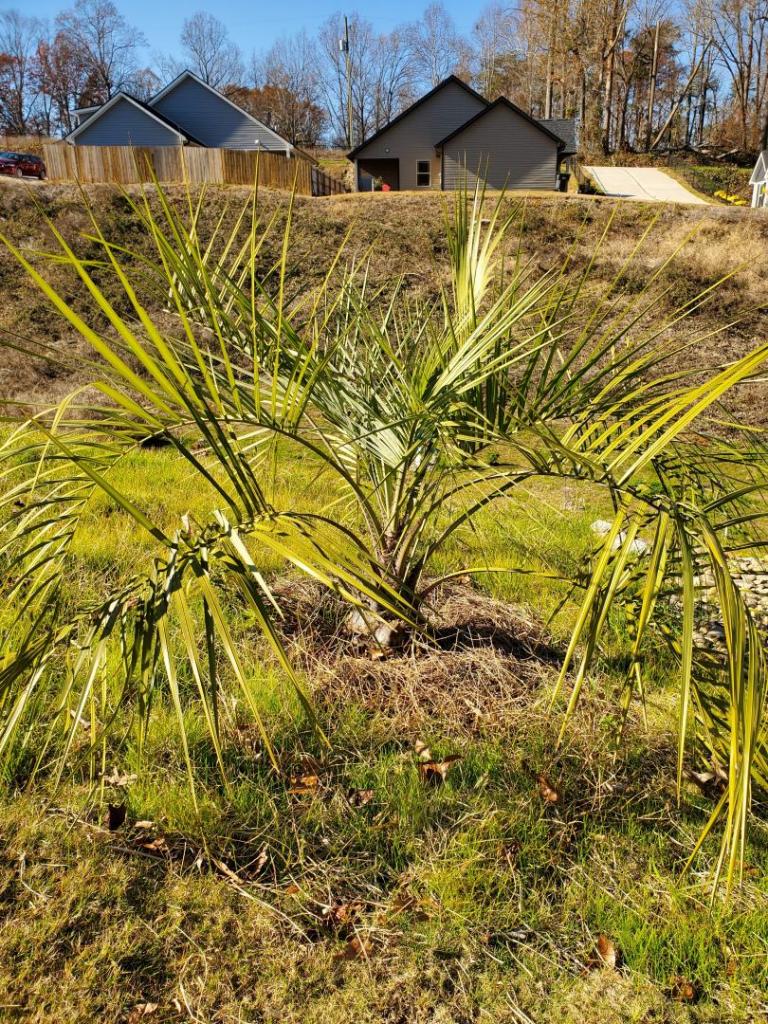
(638, 74)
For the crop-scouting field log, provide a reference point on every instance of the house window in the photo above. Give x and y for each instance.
(423, 174)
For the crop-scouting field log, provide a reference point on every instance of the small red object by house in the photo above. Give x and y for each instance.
(385, 187)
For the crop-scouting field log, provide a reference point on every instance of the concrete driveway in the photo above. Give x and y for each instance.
(647, 183)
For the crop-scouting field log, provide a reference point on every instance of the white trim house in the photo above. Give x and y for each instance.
(759, 181)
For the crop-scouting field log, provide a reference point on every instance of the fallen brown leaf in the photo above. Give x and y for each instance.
(118, 779)
(357, 948)
(605, 955)
(115, 816)
(142, 1010)
(683, 991)
(157, 846)
(434, 772)
(711, 784)
(304, 785)
(361, 797)
(422, 751)
(547, 791)
(339, 916)
(258, 865)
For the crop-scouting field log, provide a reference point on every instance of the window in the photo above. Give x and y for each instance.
(423, 174)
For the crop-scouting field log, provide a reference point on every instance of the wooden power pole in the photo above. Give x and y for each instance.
(344, 47)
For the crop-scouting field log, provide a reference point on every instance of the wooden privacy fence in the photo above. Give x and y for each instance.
(127, 165)
(325, 185)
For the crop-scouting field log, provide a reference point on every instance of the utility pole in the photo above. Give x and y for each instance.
(344, 47)
(652, 89)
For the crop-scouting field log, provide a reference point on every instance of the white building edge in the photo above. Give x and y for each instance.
(759, 181)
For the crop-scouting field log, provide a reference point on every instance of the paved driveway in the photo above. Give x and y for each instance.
(642, 183)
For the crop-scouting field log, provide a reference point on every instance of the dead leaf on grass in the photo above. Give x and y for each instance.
(339, 916)
(142, 1010)
(549, 793)
(115, 816)
(358, 948)
(422, 751)
(304, 785)
(144, 825)
(120, 780)
(157, 846)
(711, 784)
(683, 991)
(509, 852)
(360, 797)
(434, 772)
(605, 954)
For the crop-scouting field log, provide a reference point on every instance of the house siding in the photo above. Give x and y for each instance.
(414, 137)
(125, 125)
(212, 121)
(512, 152)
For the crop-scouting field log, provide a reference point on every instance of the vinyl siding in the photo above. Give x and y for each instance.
(414, 137)
(512, 152)
(125, 125)
(213, 121)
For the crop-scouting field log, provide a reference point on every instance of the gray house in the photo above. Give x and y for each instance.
(454, 135)
(188, 111)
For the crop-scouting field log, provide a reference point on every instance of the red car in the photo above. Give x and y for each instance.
(19, 164)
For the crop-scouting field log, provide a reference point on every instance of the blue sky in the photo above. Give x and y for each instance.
(255, 27)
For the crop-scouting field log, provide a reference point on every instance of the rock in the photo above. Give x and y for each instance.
(602, 527)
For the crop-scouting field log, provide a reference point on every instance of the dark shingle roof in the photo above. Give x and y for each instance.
(567, 128)
(502, 101)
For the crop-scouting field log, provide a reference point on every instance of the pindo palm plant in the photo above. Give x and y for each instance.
(425, 411)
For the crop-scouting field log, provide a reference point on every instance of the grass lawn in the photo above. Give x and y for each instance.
(353, 888)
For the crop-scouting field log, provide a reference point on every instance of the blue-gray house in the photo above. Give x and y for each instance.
(188, 111)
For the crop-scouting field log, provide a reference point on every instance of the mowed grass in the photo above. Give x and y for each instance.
(349, 888)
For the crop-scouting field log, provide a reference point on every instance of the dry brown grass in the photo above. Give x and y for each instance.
(402, 234)
(480, 661)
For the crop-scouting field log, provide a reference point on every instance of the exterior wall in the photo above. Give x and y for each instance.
(414, 137)
(125, 125)
(212, 121)
(512, 152)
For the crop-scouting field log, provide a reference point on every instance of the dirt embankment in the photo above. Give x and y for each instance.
(401, 235)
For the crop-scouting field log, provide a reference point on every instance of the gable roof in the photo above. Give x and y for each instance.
(567, 128)
(187, 75)
(502, 101)
(451, 79)
(89, 121)
(760, 173)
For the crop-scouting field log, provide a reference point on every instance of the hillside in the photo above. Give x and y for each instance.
(401, 234)
(221, 800)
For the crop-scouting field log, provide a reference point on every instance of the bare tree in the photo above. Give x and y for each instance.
(496, 57)
(61, 76)
(107, 45)
(285, 90)
(436, 47)
(210, 52)
(19, 91)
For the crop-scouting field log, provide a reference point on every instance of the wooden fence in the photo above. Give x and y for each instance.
(127, 165)
(324, 184)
